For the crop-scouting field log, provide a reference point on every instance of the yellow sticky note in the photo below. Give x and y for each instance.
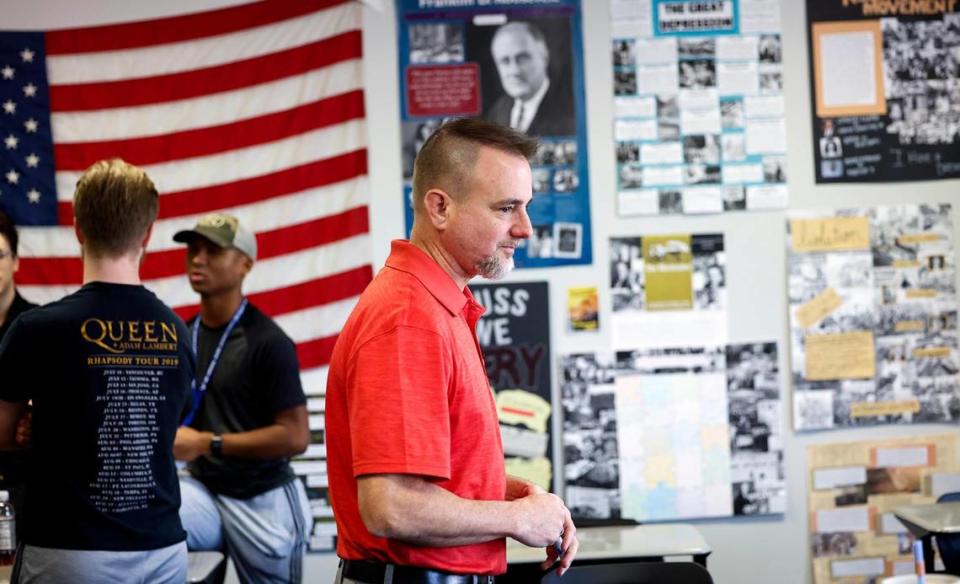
(818, 308)
(839, 356)
(830, 234)
(885, 408)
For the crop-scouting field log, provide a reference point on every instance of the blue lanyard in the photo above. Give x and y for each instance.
(199, 391)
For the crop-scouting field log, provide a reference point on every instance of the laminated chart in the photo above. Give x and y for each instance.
(698, 106)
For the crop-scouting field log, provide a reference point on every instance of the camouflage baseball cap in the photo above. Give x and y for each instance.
(223, 230)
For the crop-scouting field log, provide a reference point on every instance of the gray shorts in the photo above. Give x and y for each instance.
(38, 565)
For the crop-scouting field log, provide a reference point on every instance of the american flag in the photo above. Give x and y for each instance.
(256, 110)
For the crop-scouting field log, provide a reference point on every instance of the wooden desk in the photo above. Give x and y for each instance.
(601, 545)
(926, 521)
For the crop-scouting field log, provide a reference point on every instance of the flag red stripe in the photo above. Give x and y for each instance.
(112, 37)
(315, 292)
(205, 141)
(252, 190)
(163, 264)
(317, 352)
(175, 86)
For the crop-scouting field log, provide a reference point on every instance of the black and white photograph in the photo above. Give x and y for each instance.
(540, 242)
(623, 52)
(631, 175)
(701, 149)
(700, 174)
(412, 136)
(625, 82)
(628, 152)
(733, 146)
(541, 180)
(731, 113)
(546, 154)
(698, 74)
(668, 107)
(813, 410)
(568, 238)
(773, 169)
(831, 147)
(769, 48)
(734, 198)
(525, 74)
(626, 273)
(771, 80)
(670, 202)
(668, 130)
(436, 43)
(696, 47)
(565, 152)
(709, 282)
(565, 180)
(841, 543)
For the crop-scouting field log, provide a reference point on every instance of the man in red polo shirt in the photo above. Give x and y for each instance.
(414, 457)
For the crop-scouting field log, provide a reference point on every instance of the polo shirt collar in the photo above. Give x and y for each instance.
(406, 257)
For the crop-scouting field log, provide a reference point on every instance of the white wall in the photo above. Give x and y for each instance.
(746, 550)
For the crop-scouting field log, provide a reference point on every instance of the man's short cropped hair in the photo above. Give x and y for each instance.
(9, 231)
(448, 156)
(114, 205)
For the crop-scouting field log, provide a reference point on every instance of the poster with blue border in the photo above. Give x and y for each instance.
(698, 106)
(518, 64)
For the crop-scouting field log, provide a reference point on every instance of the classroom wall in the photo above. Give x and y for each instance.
(755, 550)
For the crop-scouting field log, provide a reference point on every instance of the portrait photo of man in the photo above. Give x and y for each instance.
(526, 75)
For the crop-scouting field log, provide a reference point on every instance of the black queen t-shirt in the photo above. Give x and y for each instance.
(108, 369)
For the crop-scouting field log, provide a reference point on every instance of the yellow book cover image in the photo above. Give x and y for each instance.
(583, 309)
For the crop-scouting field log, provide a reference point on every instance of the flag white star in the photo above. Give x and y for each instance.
(13, 177)
(32, 160)
(11, 142)
(30, 90)
(33, 195)
(9, 107)
(30, 125)
(27, 55)
(7, 72)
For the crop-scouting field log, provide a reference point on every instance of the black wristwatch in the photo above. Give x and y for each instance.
(216, 446)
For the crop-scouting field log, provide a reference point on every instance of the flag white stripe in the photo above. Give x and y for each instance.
(243, 163)
(209, 110)
(317, 322)
(314, 380)
(261, 216)
(270, 274)
(201, 53)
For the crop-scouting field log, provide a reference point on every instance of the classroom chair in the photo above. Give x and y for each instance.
(633, 573)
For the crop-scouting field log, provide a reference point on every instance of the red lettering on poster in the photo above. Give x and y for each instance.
(443, 90)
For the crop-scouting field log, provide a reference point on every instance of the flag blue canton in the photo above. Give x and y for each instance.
(27, 187)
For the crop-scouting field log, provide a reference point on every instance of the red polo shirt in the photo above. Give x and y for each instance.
(407, 393)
